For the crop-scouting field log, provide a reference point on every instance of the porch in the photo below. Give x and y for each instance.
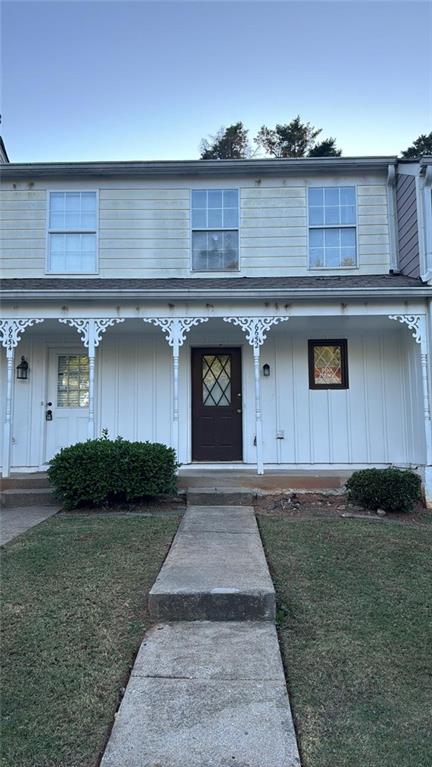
(140, 386)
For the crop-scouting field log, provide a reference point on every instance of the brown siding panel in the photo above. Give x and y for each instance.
(409, 258)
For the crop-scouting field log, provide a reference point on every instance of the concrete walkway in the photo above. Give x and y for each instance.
(13, 522)
(207, 688)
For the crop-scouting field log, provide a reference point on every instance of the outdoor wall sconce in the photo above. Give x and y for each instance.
(22, 369)
(266, 370)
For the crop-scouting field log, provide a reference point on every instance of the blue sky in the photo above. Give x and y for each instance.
(147, 80)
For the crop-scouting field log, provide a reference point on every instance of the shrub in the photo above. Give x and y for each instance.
(103, 471)
(389, 489)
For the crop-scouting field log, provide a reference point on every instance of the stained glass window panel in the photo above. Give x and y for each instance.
(328, 364)
(216, 380)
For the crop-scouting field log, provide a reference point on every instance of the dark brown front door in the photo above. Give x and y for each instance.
(216, 405)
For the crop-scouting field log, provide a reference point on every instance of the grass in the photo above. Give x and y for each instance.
(73, 615)
(355, 620)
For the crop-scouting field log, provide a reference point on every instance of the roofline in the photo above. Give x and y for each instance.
(220, 293)
(176, 168)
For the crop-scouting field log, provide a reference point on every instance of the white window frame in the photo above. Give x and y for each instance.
(332, 226)
(213, 229)
(49, 231)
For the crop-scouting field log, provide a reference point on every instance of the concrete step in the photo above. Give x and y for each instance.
(192, 478)
(220, 496)
(215, 570)
(24, 482)
(205, 695)
(11, 499)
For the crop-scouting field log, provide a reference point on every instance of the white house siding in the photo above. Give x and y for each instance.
(144, 227)
(378, 420)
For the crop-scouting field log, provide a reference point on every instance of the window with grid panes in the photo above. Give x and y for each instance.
(72, 226)
(332, 227)
(215, 235)
(73, 380)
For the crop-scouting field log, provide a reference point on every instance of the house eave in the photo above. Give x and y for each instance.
(195, 168)
(273, 294)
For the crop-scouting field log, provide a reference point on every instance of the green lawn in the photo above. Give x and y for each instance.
(73, 615)
(355, 615)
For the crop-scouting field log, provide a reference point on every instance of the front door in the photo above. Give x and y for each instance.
(216, 405)
(66, 407)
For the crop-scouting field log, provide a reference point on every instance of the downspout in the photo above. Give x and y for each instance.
(393, 219)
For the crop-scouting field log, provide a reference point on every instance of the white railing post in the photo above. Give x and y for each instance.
(91, 331)
(174, 330)
(10, 332)
(256, 329)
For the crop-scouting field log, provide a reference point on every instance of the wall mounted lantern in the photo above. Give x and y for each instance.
(266, 370)
(22, 369)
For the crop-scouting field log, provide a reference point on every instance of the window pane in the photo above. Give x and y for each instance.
(199, 218)
(72, 253)
(331, 216)
(331, 196)
(316, 257)
(316, 238)
(88, 202)
(347, 195)
(57, 202)
(327, 364)
(316, 216)
(348, 257)
(199, 198)
(347, 236)
(57, 221)
(230, 198)
(216, 380)
(214, 218)
(72, 381)
(230, 217)
(214, 198)
(332, 257)
(332, 238)
(348, 215)
(316, 196)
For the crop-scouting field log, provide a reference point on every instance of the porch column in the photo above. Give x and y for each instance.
(10, 333)
(256, 329)
(416, 323)
(91, 331)
(174, 330)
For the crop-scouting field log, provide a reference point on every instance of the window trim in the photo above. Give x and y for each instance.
(213, 229)
(343, 344)
(332, 226)
(74, 231)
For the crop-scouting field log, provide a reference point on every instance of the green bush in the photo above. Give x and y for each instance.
(103, 471)
(389, 489)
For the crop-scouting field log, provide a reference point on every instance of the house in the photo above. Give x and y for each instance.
(259, 313)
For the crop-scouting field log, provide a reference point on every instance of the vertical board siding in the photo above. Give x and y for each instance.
(406, 201)
(379, 419)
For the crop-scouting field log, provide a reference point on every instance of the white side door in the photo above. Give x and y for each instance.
(66, 407)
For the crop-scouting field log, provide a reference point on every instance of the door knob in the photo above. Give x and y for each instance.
(238, 410)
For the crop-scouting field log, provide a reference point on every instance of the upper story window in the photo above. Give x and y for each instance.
(215, 236)
(72, 227)
(332, 227)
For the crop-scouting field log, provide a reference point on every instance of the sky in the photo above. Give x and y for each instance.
(119, 80)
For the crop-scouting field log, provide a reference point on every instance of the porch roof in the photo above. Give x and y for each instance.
(337, 286)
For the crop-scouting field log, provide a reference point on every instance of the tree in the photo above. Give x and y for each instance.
(325, 148)
(228, 144)
(422, 145)
(295, 139)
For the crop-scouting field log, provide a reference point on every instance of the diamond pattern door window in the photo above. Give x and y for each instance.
(216, 380)
(73, 381)
(328, 364)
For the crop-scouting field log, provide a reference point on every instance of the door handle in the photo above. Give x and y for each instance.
(238, 410)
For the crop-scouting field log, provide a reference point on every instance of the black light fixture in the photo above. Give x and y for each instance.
(266, 370)
(22, 369)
